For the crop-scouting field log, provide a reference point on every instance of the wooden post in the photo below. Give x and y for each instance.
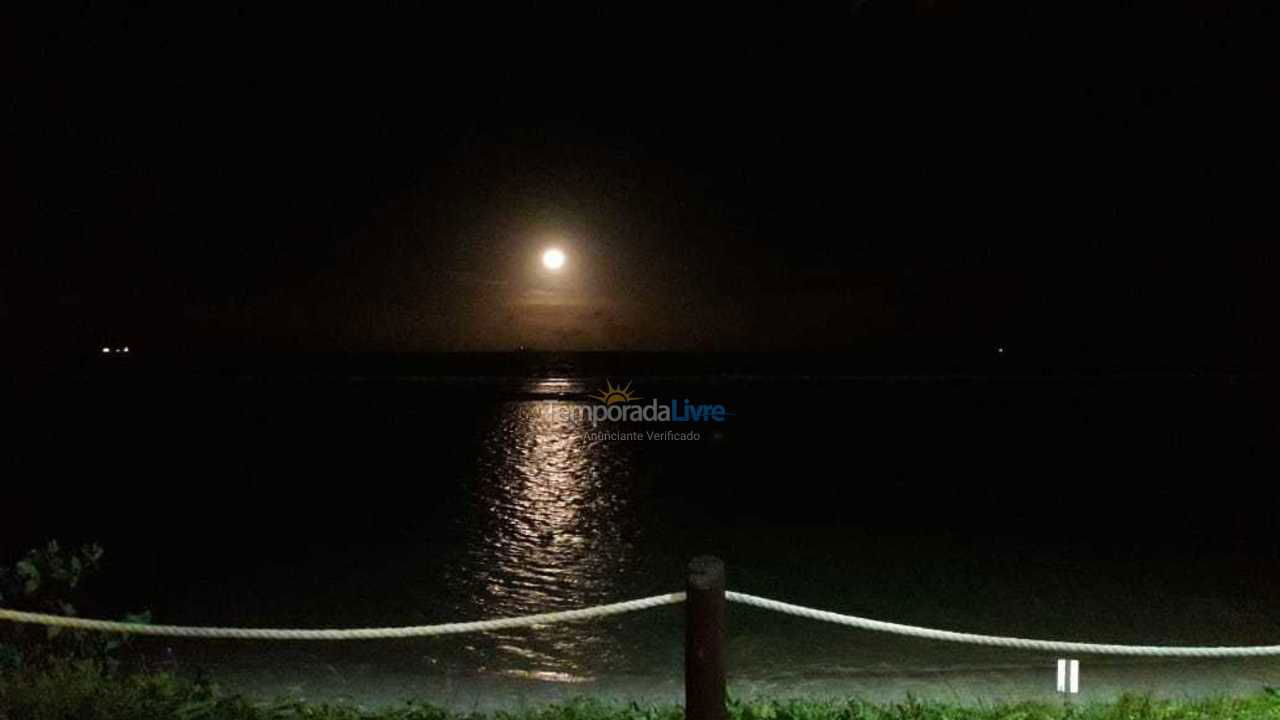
(704, 665)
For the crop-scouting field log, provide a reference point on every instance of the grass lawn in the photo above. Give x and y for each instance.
(80, 691)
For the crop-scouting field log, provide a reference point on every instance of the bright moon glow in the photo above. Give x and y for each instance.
(553, 259)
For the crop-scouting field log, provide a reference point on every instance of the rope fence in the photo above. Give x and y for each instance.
(1000, 641)
(413, 631)
(705, 600)
(619, 608)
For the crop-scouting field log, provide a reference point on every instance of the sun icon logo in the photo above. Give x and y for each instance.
(613, 395)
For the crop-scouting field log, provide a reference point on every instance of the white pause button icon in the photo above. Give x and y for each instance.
(1068, 676)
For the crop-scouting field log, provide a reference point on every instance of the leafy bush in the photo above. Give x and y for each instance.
(50, 580)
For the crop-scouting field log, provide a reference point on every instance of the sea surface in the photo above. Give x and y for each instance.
(1115, 507)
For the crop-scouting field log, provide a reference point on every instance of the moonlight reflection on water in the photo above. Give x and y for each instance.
(557, 530)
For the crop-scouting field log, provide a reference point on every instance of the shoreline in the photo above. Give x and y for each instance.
(370, 687)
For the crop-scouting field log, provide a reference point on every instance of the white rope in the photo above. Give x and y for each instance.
(998, 641)
(75, 623)
(631, 606)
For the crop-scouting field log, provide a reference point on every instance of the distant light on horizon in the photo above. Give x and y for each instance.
(553, 259)
(106, 349)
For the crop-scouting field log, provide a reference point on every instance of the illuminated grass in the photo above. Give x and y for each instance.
(81, 692)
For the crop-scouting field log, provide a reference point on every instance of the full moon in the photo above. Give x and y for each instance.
(553, 259)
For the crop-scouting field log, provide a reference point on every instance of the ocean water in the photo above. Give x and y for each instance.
(1117, 508)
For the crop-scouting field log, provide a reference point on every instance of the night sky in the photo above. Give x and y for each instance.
(1030, 175)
